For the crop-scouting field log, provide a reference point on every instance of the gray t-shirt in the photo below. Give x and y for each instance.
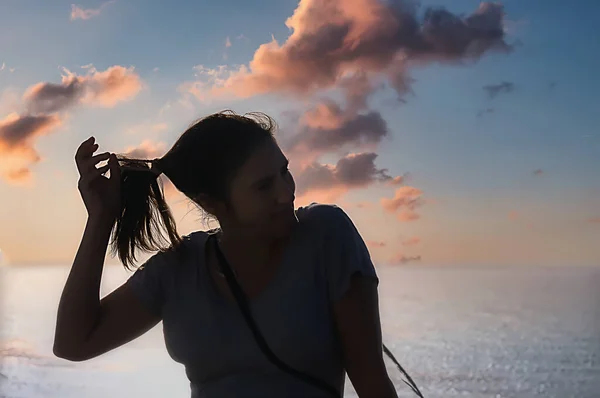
(208, 335)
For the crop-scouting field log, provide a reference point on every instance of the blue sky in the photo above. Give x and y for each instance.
(476, 172)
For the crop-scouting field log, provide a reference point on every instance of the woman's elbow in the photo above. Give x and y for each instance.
(69, 352)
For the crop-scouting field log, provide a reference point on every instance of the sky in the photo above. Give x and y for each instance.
(452, 132)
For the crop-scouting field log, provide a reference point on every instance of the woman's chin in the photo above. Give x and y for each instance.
(284, 225)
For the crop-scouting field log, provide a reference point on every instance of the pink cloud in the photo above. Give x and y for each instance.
(356, 170)
(399, 180)
(333, 38)
(19, 176)
(17, 138)
(594, 220)
(105, 89)
(147, 149)
(327, 128)
(404, 204)
(78, 12)
(415, 240)
(375, 244)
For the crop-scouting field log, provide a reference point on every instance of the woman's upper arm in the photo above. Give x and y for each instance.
(357, 319)
(131, 310)
(123, 318)
(353, 282)
(346, 253)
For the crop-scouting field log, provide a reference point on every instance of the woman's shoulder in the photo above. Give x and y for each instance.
(323, 219)
(315, 212)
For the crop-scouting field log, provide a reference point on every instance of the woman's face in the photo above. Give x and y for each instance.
(262, 194)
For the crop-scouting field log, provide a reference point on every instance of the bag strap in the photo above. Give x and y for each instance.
(243, 305)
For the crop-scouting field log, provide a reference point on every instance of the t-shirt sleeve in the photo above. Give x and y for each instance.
(149, 282)
(346, 252)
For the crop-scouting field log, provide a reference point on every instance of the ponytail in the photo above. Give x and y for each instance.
(144, 214)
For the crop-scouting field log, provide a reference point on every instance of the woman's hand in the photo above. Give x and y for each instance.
(101, 194)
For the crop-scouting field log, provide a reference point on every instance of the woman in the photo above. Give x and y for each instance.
(306, 273)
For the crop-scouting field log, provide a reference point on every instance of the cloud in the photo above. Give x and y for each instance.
(538, 172)
(19, 176)
(415, 240)
(328, 128)
(352, 171)
(514, 215)
(146, 150)
(227, 42)
(332, 38)
(494, 89)
(78, 12)
(375, 244)
(404, 204)
(205, 78)
(17, 138)
(594, 220)
(400, 258)
(4, 67)
(105, 89)
(399, 180)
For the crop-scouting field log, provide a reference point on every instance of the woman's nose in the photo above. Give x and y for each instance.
(286, 191)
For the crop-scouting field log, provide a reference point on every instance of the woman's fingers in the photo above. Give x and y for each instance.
(94, 160)
(102, 170)
(91, 176)
(84, 153)
(86, 161)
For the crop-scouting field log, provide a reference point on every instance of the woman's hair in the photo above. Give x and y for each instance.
(203, 160)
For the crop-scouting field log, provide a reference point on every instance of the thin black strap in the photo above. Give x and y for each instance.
(410, 382)
(246, 312)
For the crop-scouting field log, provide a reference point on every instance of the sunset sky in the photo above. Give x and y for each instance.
(463, 135)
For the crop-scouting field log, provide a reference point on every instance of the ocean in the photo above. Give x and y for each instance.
(484, 332)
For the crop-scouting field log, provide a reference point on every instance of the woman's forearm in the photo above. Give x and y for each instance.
(79, 306)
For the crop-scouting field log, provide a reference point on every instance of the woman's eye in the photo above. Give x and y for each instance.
(265, 186)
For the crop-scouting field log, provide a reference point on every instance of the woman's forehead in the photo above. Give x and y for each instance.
(265, 158)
